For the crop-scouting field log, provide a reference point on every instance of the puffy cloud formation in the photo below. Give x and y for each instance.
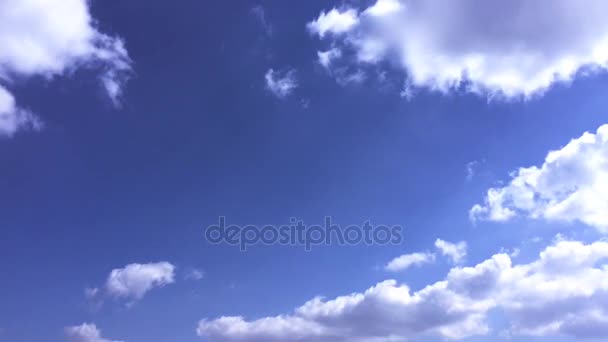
(406, 261)
(85, 333)
(455, 251)
(281, 84)
(509, 48)
(563, 292)
(135, 280)
(49, 38)
(571, 185)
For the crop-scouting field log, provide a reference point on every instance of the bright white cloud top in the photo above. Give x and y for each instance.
(85, 333)
(509, 49)
(52, 38)
(135, 280)
(563, 292)
(403, 262)
(571, 185)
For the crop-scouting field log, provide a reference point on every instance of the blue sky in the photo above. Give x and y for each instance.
(128, 127)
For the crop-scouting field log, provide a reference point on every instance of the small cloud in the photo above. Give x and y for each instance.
(135, 280)
(455, 251)
(514, 253)
(327, 57)
(281, 84)
(86, 332)
(194, 274)
(408, 91)
(132, 282)
(91, 292)
(472, 167)
(335, 22)
(471, 170)
(344, 76)
(406, 261)
(13, 118)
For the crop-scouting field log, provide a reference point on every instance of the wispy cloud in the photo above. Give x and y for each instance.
(406, 261)
(281, 84)
(455, 251)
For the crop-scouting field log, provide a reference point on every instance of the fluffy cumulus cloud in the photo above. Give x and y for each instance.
(571, 185)
(509, 48)
(406, 261)
(562, 292)
(455, 251)
(51, 38)
(281, 83)
(135, 280)
(85, 333)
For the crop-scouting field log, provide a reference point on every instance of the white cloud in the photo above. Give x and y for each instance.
(91, 292)
(13, 119)
(334, 21)
(408, 260)
(571, 185)
(85, 333)
(281, 84)
(455, 251)
(327, 57)
(508, 49)
(472, 169)
(194, 274)
(51, 38)
(135, 280)
(563, 292)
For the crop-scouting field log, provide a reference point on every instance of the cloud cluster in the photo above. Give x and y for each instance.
(561, 293)
(51, 38)
(571, 185)
(509, 49)
(85, 333)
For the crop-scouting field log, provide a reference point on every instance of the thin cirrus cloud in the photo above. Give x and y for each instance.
(87, 332)
(562, 292)
(509, 49)
(281, 83)
(571, 185)
(49, 39)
